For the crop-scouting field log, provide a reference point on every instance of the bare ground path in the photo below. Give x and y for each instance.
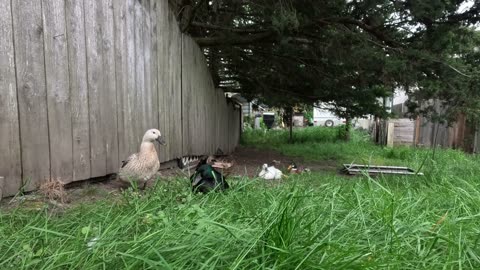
(247, 163)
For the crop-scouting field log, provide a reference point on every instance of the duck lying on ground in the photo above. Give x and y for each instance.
(294, 169)
(142, 166)
(270, 173)
(206, 178)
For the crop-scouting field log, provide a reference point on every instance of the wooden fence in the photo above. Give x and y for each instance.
(81, 81)
(459, 135)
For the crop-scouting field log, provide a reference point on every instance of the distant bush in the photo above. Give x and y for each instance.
(300, 135)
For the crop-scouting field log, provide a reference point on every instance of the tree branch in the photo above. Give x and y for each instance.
(367, 28)
(233, 30)
(191, 15)
(235, 40)
(473, 14)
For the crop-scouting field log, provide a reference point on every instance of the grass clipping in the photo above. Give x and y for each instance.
(54, 190)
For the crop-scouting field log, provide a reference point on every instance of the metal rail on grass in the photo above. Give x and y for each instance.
(355, 169)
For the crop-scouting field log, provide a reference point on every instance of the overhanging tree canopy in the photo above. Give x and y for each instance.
(347, 53)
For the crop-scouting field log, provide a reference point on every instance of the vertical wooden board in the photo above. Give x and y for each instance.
(162, 69)
(417, 131)
(168, 69)
(230, 127)
(140, 106)
(225, 123)
(162, 90)
(208, 101)
(199, 97)
(131, 120)
(425, 133)
(93, 29)
(213, 117)
(215, 113)
(77, 69)
(29, 61)
(210, 117)
(166, 66)
(442, 136)
(220, 127)
(58, 90)
(148, 96)
(121, 74)
(204, 121)
(227, 129)
(219, 112)
(195, 131)
(206, 97)
(153, 66)
(239, 126)
(198, 94)
(236, 129)
(109, 91)
(176, 128)
(10, 165)
(226, 132)
(476, 142)
(186, 97)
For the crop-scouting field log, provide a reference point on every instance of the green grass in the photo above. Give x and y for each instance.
(310, 221)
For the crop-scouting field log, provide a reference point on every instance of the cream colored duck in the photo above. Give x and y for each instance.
(142, 166)
(270, 173)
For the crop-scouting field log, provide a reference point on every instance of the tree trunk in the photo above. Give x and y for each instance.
(377, 130)
(348, 125)
(291, 125)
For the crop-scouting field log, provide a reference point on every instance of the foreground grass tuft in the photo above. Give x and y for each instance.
(310, 221)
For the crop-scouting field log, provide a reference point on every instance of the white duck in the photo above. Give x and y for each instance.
(270, 173)
(142, 166)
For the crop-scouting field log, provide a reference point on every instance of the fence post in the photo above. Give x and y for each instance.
(390, 133)
(2, 184)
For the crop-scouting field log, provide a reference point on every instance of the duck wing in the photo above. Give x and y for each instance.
(130, 158)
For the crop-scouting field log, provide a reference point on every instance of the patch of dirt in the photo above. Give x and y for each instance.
(247, 162)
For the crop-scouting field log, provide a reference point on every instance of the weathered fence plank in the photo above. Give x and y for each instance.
(404, 130)
(58, 90)
(148, 96)
(131, 118)
(96, 75)
(162, 73)
(153, 66)
(225, 125)
(10, 159)
(169, 81)
(77, 69)
(109, 91)
(32, 94)
(139, 74)
(120, 32)
(167, 106)
(175, 88)
(188, 122)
